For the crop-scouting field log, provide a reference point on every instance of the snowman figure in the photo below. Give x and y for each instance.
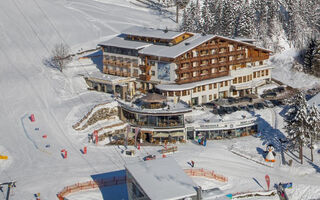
(270, 154)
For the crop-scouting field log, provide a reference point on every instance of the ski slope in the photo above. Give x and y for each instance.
(28, 31)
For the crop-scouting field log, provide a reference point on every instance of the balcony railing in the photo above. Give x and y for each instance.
(145, 77)
(200, 78)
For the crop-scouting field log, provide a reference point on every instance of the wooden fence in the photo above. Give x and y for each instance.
(206, 174)
(169, 150)
(90, 185)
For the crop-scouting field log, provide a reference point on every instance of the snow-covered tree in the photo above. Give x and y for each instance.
(245, 26)
(297, 122)
(314, 126)
(310, 57)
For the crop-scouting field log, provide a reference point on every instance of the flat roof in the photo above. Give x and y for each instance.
(151, 32)
(122, 43)
(170, 109)
(178, 49)
(107, 77)
(162, 179)
(188, 86)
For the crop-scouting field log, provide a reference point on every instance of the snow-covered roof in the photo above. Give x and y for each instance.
(188, 86)
(122, 43)
(150, 32)
(171, 108)
(178, 49)
(244, 43)
(315, 100)
(107, 77)
(162, 179)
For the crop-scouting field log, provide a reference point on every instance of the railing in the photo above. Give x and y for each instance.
(200, 78)
(206, 174)
(145, 77)
(90, 185)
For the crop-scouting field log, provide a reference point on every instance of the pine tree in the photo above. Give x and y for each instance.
(314, 127)
(228, 19)
(309, 57)
(297, 122)
(246, 20)
(207, 20)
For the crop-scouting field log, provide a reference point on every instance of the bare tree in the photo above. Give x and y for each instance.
(60, 56)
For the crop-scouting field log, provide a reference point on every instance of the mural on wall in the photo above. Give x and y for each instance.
(164, 71)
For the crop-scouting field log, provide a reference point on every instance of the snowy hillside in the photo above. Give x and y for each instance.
(28, 31)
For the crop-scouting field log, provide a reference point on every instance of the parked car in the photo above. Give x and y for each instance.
(258, 106)
(221, 110)
(211, 105)
(228, 110)
(269, 95)
(276, 102)
(243, 107)
(268, 104)
(250, 107)
(245, 99)
(234, 108)
(149, 157)
(278, 89)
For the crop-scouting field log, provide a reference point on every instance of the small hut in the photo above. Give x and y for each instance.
(153, 101)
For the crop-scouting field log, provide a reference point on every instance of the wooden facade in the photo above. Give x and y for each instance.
(214, 59)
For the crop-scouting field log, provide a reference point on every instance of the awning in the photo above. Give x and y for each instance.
(177, 134)
(161, 135)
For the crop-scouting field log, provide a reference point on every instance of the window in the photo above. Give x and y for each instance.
(194, 90)
(221, 84)
(215, 85)
(194, 74)
(244, 79)
(267, 72)
(152, 63)
(254, 74)
(178, 93)
(250, 77)
(203, 88)
(258, 74)
(226, 83)
(215, 96)
(199, 89)
(213, 70)
(262, 73)
(210, 86)
(240, 79)
(153, 73)
(210, 97)
(261, 63)
(194, 64)
(253, 64)
(234, 81)
(235, 92)
(170, 94)
(184, 92)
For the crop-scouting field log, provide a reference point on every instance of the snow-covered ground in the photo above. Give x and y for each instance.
(283, 71)
(28, 31)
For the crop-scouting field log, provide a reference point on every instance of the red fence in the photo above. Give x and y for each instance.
(90, 185)
(206, 174)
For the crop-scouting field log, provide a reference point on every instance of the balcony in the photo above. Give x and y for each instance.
(145, 77)
(200, 78)
(145, 68)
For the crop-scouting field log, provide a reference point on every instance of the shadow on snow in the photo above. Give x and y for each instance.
(116, 192)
